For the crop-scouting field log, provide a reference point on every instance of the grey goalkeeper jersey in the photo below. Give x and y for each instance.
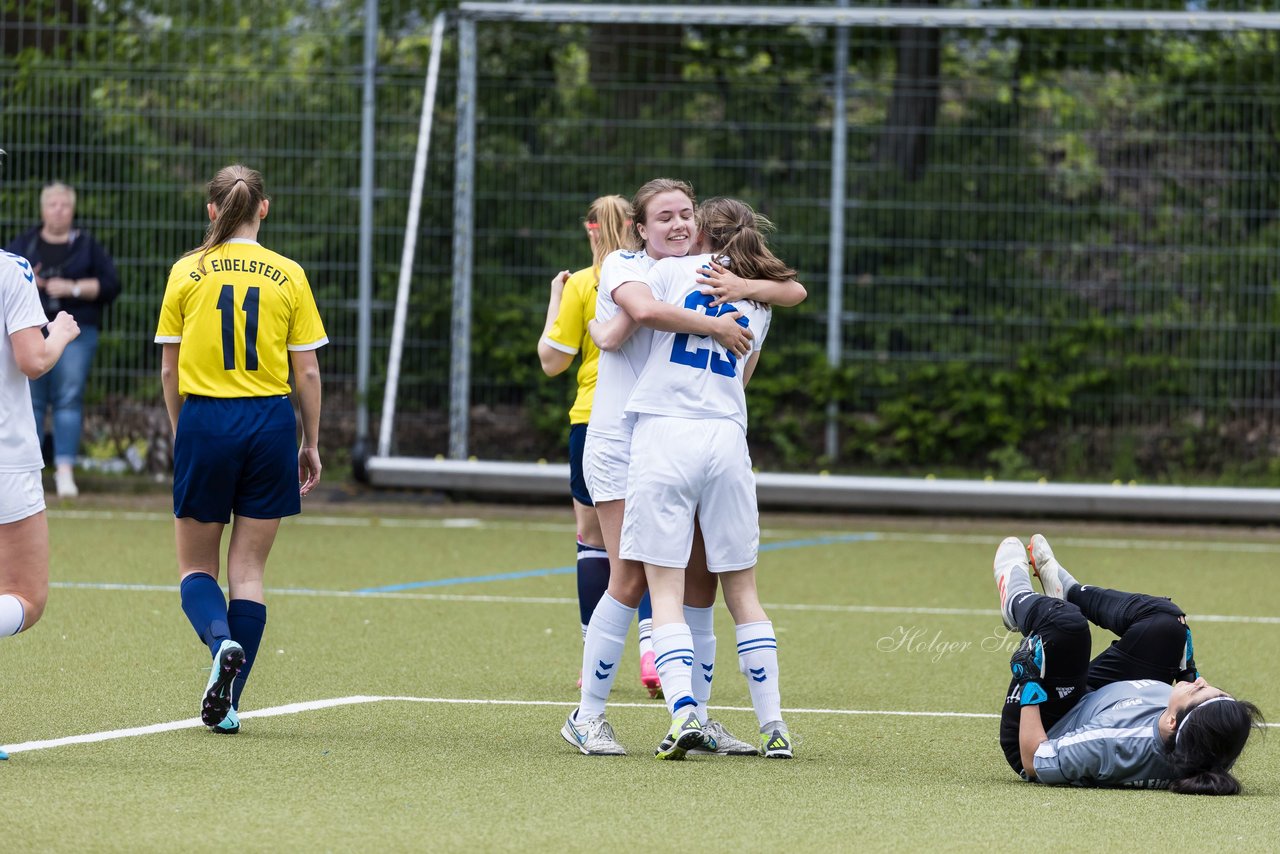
(1110, 739)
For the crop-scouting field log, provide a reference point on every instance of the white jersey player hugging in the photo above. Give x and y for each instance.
(626, 312)
(689, 460)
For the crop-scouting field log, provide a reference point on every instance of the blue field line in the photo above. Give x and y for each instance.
(565, 570)
(446, 582)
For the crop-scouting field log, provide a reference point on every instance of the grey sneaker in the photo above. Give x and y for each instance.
(592, 736)
(718, 741)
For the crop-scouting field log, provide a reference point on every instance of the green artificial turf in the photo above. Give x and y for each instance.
(901, 619)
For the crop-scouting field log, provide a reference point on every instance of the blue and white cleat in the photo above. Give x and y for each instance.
(3, 755)
(230, 725)
(217, 693)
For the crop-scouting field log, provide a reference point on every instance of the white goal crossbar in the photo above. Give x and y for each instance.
(829, 16)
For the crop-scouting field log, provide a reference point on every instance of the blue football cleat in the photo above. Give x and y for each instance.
(217, 693)
(230, 725)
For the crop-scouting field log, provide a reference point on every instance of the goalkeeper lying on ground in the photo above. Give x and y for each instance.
(1138, 715)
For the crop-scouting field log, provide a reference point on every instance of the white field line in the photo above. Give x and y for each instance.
(313, 705)
(296, 708)
(900, 610)
(783, 534)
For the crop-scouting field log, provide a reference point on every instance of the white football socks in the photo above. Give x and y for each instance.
(673, 645)
(601, 652)
(702, 626)
(645, 630)
(758, 661)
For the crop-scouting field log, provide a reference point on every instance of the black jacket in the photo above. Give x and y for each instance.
(88, 260)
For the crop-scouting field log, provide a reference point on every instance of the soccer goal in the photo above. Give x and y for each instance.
(1074, 201)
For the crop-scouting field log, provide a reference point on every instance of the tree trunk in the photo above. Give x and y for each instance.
(913, 109)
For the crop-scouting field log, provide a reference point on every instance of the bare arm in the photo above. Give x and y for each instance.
(637, 300)
(611, 334)
(1031, 735)
(37, 353)
(306, 380)
(727, 286)
(553, 361)
(169, 382)
(750, 368)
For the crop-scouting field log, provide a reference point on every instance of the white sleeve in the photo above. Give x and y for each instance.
(619, 267)
(21, 298)
(766, 320)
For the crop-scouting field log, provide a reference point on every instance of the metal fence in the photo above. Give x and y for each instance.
(1083, 218)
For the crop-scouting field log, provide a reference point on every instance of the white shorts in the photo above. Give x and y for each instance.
(605, 460)
(683, 466)
(21, 495)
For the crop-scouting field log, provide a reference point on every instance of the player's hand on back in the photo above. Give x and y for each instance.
(731, 335)
(718, 281)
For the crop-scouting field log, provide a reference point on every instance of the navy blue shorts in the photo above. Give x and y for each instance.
(235, 455)
(577, 482)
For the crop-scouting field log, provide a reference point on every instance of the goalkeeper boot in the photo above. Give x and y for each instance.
(1010, 568)
(685, 734)
(649, 675)
(1055, 580)
(222, 675)
(592, 736)
(230, 725)
(718, 741)
(775, 741)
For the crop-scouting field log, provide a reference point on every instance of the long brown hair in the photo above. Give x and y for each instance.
(612, 215)
(645, 194)
(730, 227)
(237, 191)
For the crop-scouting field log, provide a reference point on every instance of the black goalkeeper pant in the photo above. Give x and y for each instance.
(1152, 645)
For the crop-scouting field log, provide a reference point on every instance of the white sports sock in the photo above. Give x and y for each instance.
(645, 629)
(601, 652)
(702, 626)
(12, 615)
(758, 661)
(673, 644)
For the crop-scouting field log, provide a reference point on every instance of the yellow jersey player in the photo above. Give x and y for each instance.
(235, 317)
(571, 307)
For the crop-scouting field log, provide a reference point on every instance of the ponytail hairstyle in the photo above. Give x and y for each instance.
(645, 194)
(1207, 740)
(730, 227)
(611, 216)
(236, 191)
